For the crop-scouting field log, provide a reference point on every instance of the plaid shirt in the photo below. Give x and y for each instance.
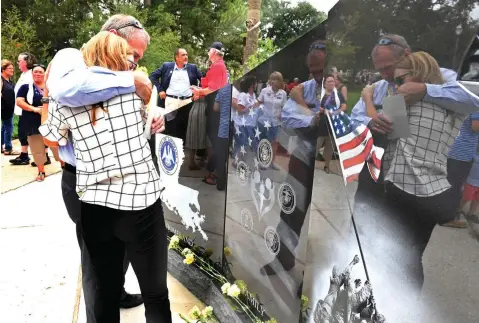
(114, 164)
(418, 164)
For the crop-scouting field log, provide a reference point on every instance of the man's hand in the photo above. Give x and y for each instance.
(158, 124)
(413, 92)
(381, 124)
(143, 86)
(196, 92)
(162, 95)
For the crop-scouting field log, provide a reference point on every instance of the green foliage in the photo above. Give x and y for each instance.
(19, 35)
(284, 23)
(426, 24)
(266, 49)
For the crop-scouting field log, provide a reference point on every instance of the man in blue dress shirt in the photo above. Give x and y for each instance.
(300, 118)
(374, 217)
(389, 50)
(72, 84)
(173, 81)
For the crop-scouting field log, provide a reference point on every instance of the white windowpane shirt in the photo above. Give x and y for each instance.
(418, 164)
(114, 164)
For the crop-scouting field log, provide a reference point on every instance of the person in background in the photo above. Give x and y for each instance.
(216, 76)
(29, 99)
(459, 163)
(293, 84)
(471, 194)
(7, 89)
(273, 98)
(247, 117)
(300, 116)
(340, 86)
(330, 97)
(223, 103)
(25, 64)
(174, 91)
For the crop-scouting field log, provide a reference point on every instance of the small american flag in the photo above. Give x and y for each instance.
(355, 146)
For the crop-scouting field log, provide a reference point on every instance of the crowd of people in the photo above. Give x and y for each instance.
(88, 107)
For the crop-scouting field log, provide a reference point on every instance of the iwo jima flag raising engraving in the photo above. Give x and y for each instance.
(355, 146)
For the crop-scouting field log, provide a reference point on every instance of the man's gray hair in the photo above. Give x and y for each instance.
(117, 21)
(398, 46)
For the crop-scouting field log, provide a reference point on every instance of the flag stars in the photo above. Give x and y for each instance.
(257, 133)
(242, 150)
(267, 125)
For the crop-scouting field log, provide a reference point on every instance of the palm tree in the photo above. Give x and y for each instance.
(252, 30)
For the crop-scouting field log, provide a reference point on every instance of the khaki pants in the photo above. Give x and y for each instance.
(328, 147)
(37, 148)
(172, 104)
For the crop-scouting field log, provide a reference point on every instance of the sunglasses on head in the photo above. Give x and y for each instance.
(319, 46)
(134, 23)
(40, 65)
(385, 41)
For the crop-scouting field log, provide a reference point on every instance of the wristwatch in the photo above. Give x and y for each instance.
(46, 100)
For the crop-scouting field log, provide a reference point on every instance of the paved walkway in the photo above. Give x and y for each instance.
(16, 176)
(39, 278)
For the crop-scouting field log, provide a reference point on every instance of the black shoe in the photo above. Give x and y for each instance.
(48, 162)
(20, 160)
(130, 300)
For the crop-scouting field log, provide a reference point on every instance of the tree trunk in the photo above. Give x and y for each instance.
(251, 46)
(147, 3)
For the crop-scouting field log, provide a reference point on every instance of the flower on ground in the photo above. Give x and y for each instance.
(304, 302)
(242, 286)
(189, 259)
(195, 313)
(227, 251)
(225, 287)
(186, 252)
(207, 311)
(174, 242)
(272, 320)
(233, 291)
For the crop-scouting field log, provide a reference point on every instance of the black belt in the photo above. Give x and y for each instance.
(179, 97)
(70, 168)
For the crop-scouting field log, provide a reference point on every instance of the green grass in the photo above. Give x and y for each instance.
(353, 98)
(15, 127)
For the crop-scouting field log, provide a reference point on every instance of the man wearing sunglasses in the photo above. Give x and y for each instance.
(389, 50)
(72, 84)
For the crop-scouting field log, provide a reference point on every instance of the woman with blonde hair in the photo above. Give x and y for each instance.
(418, 194)
(119, 187)
(273, 98)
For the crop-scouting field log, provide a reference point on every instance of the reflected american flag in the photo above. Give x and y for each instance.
(355, 146)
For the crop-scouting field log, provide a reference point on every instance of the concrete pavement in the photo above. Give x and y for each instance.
(39, 276)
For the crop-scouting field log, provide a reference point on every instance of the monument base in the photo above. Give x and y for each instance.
(202, 287)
